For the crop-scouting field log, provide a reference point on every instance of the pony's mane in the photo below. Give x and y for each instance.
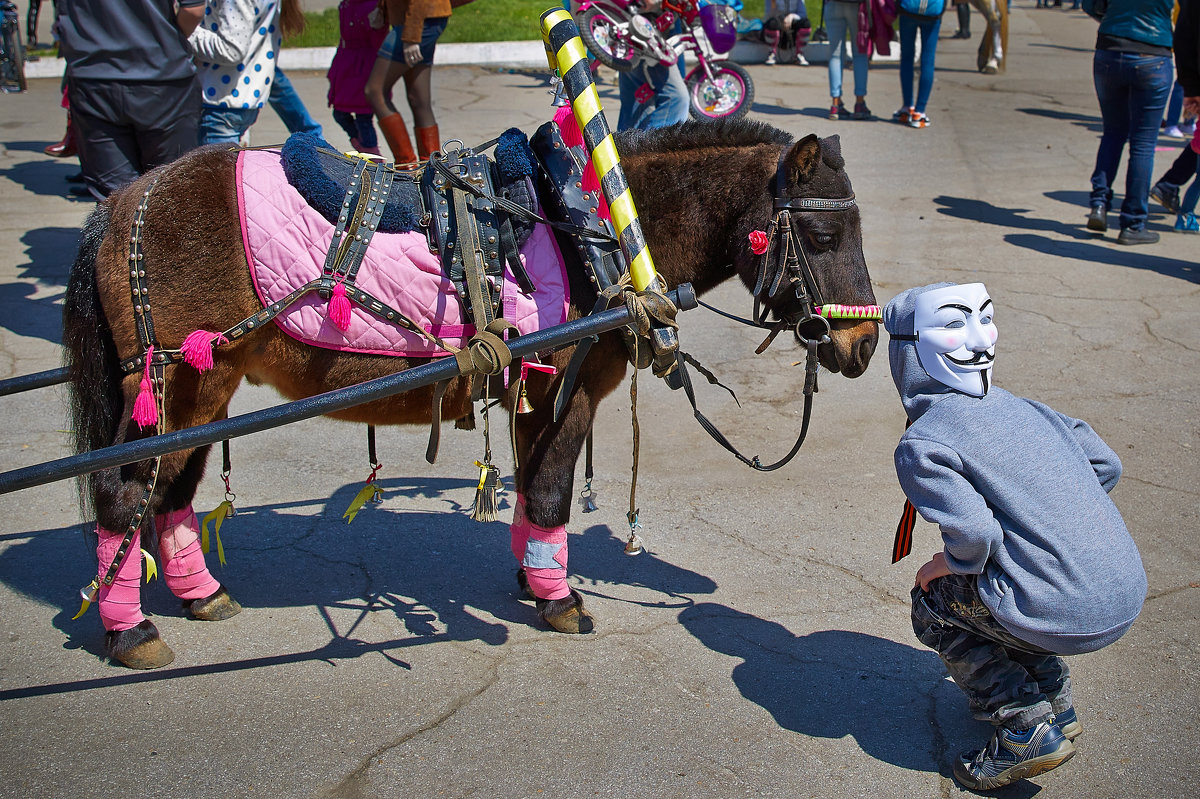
(701, 133)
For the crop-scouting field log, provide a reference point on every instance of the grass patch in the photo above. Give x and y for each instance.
(485, 21)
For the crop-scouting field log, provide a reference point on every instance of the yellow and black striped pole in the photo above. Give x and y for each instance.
(568, 56)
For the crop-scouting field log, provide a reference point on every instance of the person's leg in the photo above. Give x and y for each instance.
(1174, 107)
(345, 121)
(419, 86)
(287, 104)
(108, 151)
(908, 53)
(1183, 168)
(1188, 204)
(951, 620)
(384, 74)
(1113, 96)
(671, 101)
(366, 130)
(929, 43)
(225, 125)
(836, 27)
(168, 117)
(1150, 81)
(964, 21)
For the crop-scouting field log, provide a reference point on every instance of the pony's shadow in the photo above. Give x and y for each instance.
(1110, 255)
(443, 576)
(832, 683)
(49, 263)
(973, 210)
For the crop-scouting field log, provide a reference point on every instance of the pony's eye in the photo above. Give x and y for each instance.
(823, 241)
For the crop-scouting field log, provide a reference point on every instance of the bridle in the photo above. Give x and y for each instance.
(782, 269)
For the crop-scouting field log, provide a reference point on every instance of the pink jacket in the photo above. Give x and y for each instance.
(354, 57)
(875, 18)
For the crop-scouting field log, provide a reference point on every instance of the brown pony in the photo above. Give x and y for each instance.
(701, 188)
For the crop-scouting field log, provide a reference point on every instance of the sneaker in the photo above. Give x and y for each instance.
(902, 115)
(1013, 755)
(1098, 219)
(1129, 236)
(1068, 722)
(799, 60)
(1188, 129)
(918, 120)
(961, 35)
(1187, 223)
(838, 111)
(1173, 132)
(861, 111)
(771, 58)
(1166, 195)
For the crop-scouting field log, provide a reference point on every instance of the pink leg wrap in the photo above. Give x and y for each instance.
(543, 553)
(183, 563)
(120, 603)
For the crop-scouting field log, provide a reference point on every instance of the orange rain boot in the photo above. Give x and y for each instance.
(396, 134)
(428, 141)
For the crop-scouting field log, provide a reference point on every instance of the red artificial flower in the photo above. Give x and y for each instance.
(758, 242)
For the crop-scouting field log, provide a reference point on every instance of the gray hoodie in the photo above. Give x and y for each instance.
(1020, 494)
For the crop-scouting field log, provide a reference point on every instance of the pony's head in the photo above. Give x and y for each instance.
(814, 206)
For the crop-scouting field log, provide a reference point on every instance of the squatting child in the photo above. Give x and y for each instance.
(1037, 561)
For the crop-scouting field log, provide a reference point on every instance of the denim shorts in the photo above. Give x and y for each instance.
(393, 45)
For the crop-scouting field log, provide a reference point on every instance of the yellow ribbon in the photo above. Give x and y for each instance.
(370, 491)
(151, 566)
(217, 516)
(88, 592)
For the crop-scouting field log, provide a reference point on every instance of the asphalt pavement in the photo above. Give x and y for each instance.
(762, 646)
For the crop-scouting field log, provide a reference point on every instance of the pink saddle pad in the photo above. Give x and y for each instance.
(286, 241)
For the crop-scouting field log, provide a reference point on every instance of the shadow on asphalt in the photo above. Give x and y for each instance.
(428, 569)
(1083, 244)
(50, 251)
(48, 179)
(1086, 121)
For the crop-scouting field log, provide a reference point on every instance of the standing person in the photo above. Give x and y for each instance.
(407, 52)
(236, 49)
(842, 21)
(1187, 65)
(1036, 560)
(286, 103)
(652, 95)
(131, 85)
(925, 16)
(963, 9)
(1132, 72)
(358, 43)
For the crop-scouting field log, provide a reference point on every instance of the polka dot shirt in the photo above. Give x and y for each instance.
(235, 49)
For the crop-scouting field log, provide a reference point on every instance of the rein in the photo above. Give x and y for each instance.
(783, 267)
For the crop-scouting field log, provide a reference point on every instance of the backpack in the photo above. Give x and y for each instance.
(922, 8)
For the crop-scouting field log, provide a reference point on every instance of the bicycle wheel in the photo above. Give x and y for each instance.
(728, 95)
(607, 39)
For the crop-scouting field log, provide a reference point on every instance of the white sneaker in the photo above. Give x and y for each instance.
(771, 58)
(800, 60)
(1173, 132)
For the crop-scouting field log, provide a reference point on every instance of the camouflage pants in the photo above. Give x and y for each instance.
(1007, 681)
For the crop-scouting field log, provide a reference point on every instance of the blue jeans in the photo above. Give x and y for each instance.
(668, 105)
(1174, 105)
(393, 45)
(357, 126)
(290, 107)
(1188, 204)
(908, 45)
(842, 19)
(225, 125)
(1132, 90)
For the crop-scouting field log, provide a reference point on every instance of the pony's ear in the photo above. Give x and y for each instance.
(803, 159)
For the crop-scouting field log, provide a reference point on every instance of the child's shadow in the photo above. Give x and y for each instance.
(833, 683)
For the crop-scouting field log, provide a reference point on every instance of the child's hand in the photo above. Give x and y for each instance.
(932, 570)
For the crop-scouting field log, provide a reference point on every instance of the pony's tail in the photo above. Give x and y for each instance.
(96, 399)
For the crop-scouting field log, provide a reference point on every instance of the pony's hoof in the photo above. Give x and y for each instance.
(523, 584)
(138, 647)
(567, 614)
(218, 607)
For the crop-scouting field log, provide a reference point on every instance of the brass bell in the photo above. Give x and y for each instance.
(523, 405)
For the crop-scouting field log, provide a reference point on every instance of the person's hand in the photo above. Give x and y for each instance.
(1191, 106)
(412, 54)
(932, 570)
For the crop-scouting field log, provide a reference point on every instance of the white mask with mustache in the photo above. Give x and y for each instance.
(956, 338)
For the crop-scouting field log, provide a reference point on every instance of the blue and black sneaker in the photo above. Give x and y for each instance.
(1068, 722)
(1013, 755)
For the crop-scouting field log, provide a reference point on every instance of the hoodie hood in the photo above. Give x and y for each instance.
(918, 391)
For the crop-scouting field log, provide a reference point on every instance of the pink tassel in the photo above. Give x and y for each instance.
(592, 183)
(145, 409)
(197, 349)
(339, 308)
(572, 136)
